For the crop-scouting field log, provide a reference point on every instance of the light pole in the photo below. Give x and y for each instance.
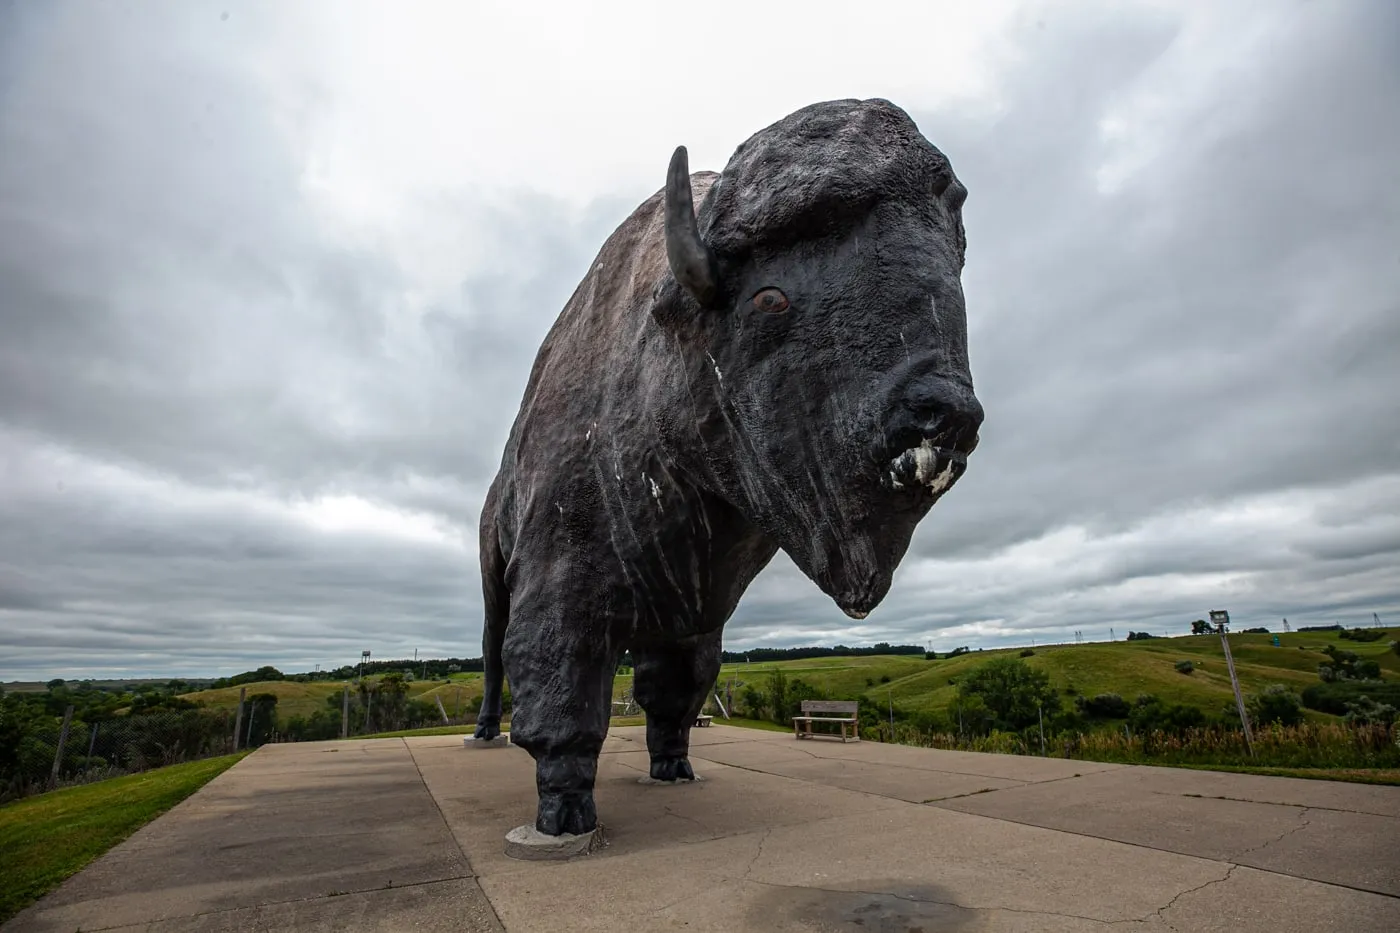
(364, 656)
(1221, 618)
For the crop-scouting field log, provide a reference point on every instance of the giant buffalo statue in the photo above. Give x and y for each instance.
(785, 367)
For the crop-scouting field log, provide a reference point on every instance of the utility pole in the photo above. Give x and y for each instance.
(1221, 618)
(238, 720)
(345, 713)
(62, 741)
(1111, 635)
(1285, 626)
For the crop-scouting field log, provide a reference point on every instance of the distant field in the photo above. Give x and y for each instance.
(1122, 667)
(39, 686)
(303, 699)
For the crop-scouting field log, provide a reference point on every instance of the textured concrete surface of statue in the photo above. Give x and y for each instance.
(771, 357)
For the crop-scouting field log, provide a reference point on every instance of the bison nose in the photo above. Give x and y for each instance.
(938, 409)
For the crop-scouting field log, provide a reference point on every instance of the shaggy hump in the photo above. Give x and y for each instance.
(817, 169)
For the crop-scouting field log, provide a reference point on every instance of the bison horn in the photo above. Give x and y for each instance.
(692, 262)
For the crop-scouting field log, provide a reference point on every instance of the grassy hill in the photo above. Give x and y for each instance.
(917, 685)
(303, 699)
(1124, 668)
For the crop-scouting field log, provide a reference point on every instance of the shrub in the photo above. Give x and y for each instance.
(1276, 704)
(1362, 634)
(1364, 711)
(1150, 714)
(884, 678)
(1104, 706)
(1184, 667)
(1027, 652)
(1334, 697)
(1012, 691)
(1367, 670)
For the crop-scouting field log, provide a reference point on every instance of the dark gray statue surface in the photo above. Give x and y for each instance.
(784, 367)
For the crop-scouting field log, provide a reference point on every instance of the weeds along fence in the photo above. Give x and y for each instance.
(1308, 745)
(84, 752)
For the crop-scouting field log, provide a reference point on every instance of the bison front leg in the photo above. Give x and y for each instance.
(672, 680)
(561, 694)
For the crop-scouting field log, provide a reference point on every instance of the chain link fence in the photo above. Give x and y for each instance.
(79, 752)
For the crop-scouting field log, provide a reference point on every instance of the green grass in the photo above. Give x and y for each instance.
(1121, 667)
(47, 838)
(302, 699)
(1388, 776)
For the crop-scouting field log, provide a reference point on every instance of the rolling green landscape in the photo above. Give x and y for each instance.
(1322, 704)
(1157, 699)
(919, 685)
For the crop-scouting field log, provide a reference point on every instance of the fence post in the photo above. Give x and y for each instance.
(238, 720)
(445, 718)
(345, 713)
(252, 714)
(62, 741)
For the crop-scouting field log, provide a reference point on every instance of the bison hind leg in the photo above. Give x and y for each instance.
(487, 727)
(671, 681)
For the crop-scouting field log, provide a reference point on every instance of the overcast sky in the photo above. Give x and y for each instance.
(272, 277)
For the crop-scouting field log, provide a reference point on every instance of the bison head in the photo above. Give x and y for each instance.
(816, 306)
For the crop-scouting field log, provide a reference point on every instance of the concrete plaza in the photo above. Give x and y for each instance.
(408, 834)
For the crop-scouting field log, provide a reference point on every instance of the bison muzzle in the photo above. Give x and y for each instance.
(784, 366)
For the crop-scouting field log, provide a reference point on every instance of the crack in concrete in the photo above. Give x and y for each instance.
(1304, 824)
(682, 816)
(885, 764)
(495, 914)
(1200, 887)
(757, 855)
(1280, 803)
(678, 901)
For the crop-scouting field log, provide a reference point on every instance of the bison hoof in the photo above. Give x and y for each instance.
(487, 729)
(569, 812)
(671, 769)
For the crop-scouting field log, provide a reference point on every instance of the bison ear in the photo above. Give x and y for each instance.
(692, 262)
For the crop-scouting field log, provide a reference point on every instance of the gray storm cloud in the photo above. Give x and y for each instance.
(231, 434)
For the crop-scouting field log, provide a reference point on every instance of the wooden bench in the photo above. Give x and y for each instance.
(846, 710)
(702, 720)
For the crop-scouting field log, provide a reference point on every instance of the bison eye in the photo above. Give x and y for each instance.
(770, 301)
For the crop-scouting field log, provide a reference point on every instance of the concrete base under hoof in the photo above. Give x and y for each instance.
(500, 741)
(527, 842)
(648, 779)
